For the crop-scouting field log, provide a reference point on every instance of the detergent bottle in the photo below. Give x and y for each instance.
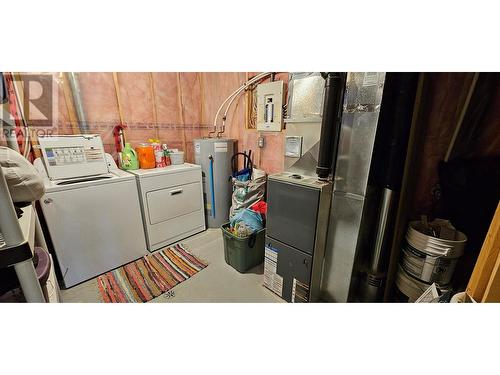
(129, 159)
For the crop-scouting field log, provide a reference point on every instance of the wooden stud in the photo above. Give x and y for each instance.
(155, 110)
(245, 102)
(118, 97)
(68, 99)
(463, 111)
(485, 280)
(492, 292)
(408, 185)
(119, 104)
(181, 112)
(202, 97)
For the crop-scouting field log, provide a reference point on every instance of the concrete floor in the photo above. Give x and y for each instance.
(218, 282)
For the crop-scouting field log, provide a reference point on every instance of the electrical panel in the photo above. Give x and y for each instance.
(270, 98)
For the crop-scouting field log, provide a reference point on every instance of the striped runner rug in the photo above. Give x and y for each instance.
(150, 276)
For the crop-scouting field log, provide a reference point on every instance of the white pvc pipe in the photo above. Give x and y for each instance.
(242, 89)
(224, 117)
(233, 96)
(220, 109)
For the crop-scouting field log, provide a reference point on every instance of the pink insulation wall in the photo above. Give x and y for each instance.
(186, 104)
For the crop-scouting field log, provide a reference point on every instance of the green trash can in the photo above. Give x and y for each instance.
(243, 253)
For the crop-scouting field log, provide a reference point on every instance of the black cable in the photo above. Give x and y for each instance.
(3, 89)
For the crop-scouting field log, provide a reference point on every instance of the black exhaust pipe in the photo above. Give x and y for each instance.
(330, 123)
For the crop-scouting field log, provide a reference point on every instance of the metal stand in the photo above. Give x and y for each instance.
(14, 253)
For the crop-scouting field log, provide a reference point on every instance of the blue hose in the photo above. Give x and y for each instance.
(212, 187)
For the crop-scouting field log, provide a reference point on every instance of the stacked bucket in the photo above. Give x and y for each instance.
(429, 255)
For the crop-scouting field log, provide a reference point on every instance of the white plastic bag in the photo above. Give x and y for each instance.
(247, 193)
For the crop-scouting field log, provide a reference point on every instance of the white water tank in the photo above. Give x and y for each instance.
(214, 156)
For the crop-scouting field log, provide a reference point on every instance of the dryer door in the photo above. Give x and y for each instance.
(169, 203)
(173, 207)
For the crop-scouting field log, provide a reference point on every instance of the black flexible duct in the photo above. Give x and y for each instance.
(331, 122)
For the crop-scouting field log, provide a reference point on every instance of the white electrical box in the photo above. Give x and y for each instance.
(293, 146)
(270, 98)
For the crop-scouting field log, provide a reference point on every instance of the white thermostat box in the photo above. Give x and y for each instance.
(293, 146)
(270, 98)
(72, 156)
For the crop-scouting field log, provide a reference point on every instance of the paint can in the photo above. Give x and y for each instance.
(410, 288)
(430, 258)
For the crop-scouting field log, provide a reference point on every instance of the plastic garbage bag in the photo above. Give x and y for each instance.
(247, 193)
(242, 230)
(251, 220)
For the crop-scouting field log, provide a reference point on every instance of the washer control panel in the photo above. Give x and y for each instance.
(73, 156)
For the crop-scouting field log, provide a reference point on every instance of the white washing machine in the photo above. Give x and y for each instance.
(172, 203)
(91, 208)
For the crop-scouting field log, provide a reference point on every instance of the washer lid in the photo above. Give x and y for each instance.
(83, 182)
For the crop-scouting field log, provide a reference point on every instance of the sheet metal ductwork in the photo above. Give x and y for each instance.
(354, 205)
(77, 100)
(372, 149)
